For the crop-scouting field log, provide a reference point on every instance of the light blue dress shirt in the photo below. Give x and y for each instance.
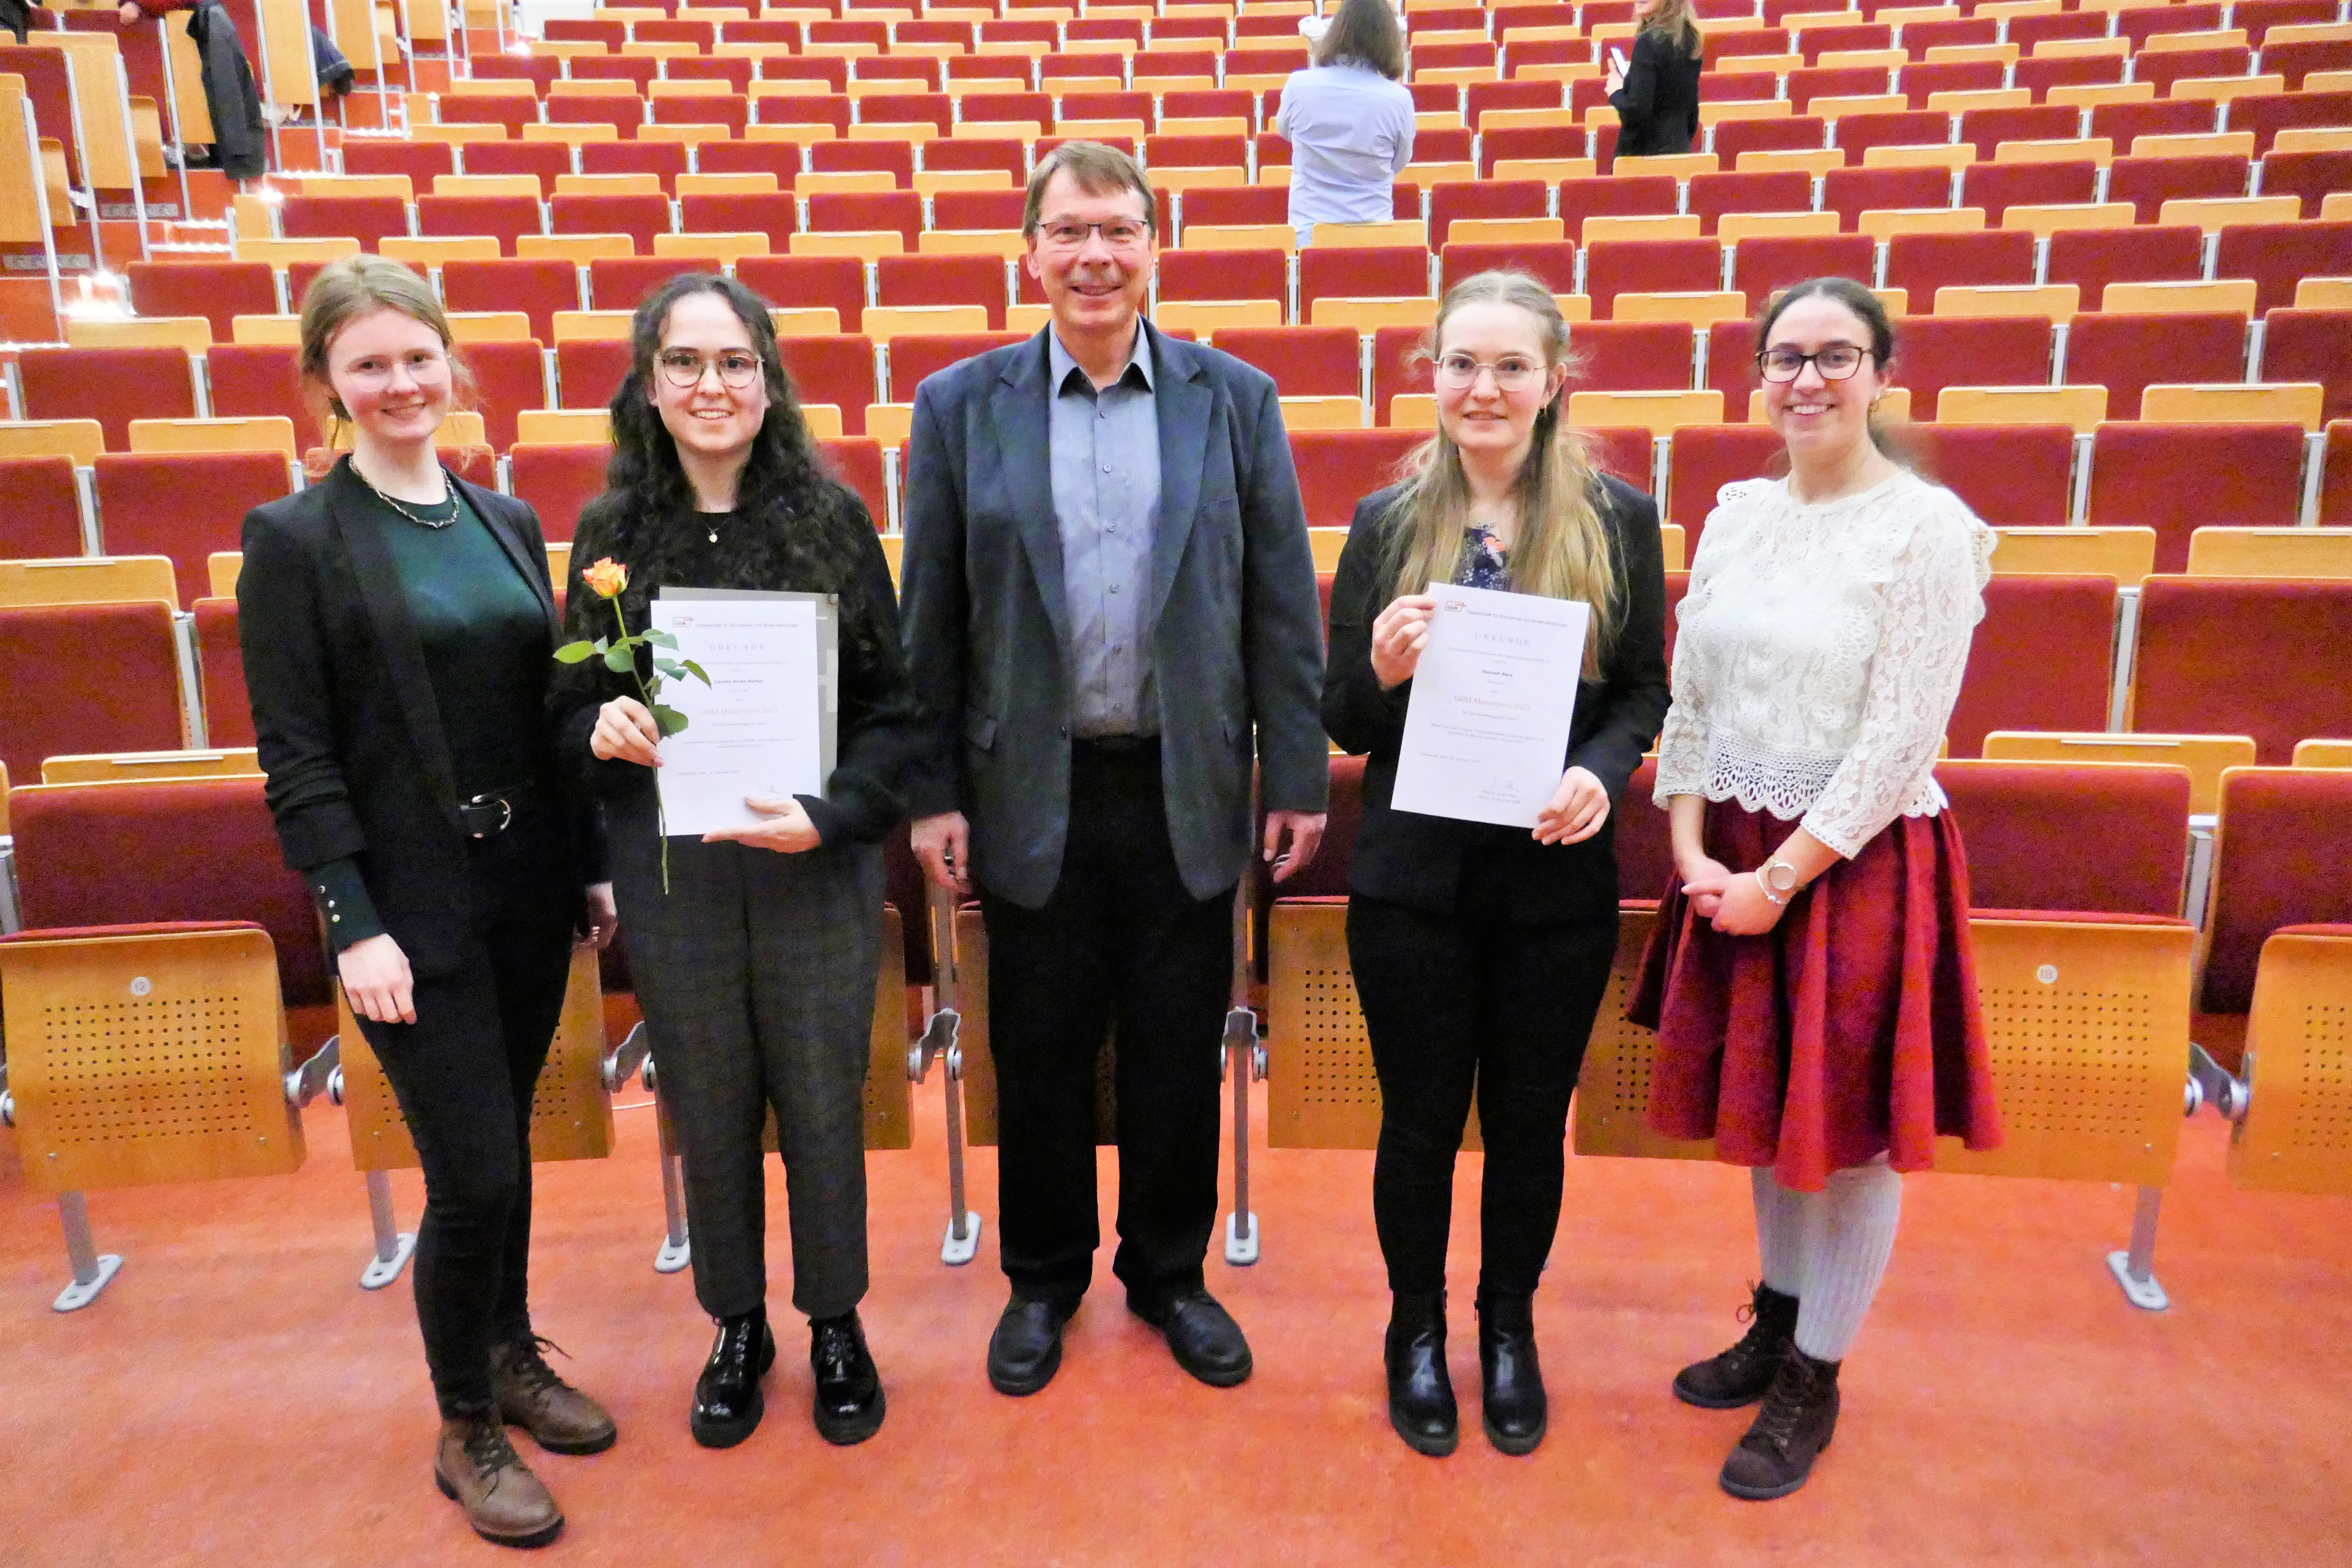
(1350, 133)
(1105, 462)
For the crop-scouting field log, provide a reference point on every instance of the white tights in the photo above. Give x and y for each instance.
(1828, 1248)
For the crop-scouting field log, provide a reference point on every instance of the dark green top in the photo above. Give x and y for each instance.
(487, 653)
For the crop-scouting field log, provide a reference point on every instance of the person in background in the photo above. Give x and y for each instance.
(1111, 613)
(755, 949)
(1349, 120)
(1481, 953)
(1810, 978)
(398, 629)
(240, 147)
(1656, 93)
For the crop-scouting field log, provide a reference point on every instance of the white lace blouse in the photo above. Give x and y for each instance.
(1819, 653)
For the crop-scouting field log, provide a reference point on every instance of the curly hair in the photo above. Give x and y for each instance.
(797, 526)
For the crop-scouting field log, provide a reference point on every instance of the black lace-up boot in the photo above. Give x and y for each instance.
(1421, 1395)
(848, 1388)
(1741, 1374)
(1799, 1418)
(727, 1402)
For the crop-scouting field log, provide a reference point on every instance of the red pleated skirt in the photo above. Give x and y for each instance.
(1849, 1030)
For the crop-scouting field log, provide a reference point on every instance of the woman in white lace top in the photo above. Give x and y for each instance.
(1810, 978)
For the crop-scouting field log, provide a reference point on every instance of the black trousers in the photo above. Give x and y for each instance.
(1120, 943)
(463, 1074)
(1457, 1001)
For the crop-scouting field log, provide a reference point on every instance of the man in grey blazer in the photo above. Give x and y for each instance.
(1110, 611)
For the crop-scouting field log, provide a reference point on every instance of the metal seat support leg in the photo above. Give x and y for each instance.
(2135, 1270)
(91, 1269)
(393, 1246)
(1245, 1062)
(940, 1042)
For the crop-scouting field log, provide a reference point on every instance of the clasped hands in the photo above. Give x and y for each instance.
(625, 729)
(1400, 634)
(1733, 901)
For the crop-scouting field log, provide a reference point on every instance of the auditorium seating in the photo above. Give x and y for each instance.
(2265, 657)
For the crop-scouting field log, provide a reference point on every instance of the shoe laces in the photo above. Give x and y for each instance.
(835, 1347)
(527, 1362)
(1785, 1405)
(488, 1449)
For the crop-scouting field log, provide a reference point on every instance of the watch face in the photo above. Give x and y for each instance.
(1781, 876)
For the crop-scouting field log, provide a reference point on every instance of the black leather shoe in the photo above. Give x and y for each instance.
(848, 1388)
(1513, 1410)
(727, 1403)
(1421, 1393)
(1026, 1351)
(1206, 1341)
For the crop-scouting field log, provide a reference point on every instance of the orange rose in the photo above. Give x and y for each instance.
(606, 578)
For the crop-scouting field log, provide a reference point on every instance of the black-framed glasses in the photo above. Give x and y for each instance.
(684, 368)
(1118, 233)
(1838, 362)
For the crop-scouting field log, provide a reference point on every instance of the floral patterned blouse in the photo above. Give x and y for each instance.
(1484, 563)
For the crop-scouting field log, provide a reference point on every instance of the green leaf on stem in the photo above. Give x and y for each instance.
(669, 666)
(660, 639)
(621, 657)
(574, 652)
(668, 720)
(695, 670)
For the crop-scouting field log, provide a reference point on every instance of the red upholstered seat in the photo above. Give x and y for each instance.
(1516, 142)
(1628, 452)
(2042, 658)
(781, 159)
(2090, 259)
(1304, 362)
(1377, 272)
(1186, 275)
(1615, 195)
(537, 288)
(1774, 191)
(1224, 205)
(1857, 133)
(896, 159)
(838, 369)
(1702, 459)
(2128, 353)
(2336, 478)
(588, 371)
(2278, 862)
(624, 282)
(1923, 263)
(109, 675)
(1731, 366)
(1997, 187)
(2012, 476)
(503, 218)
(639, 217)
(420, 160)
(228, 710)
(509, 377)
(368, 219)
(987, 209)
(2123, 123)
(2105, 838)
(800, 282)
(2311, 345)
(1002, 155)
(558, 480)
(2269, 657)
(1937, 351)
(1337, 469)
(2149, 183)
(1554, 261)
(943, 280)
(1398, 366)
(187, 850)
(1763, 263)
(1643, 841)
(2278, 256)
(260, 380)
(1920, 83)
(1987, 129)
(868, 211)
(1850, 193)
(543, 161)
(1612, 267)
(185, 505)
(219, 291)
(1633, 356)
(1797, 133)
(664, 159)
(857, 461)
(112, 385)
(2268, 113)
(2313, 176)
(40, 508)
(919, 354)
(2177, 478)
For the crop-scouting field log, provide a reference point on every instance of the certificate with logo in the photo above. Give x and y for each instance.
(1486, 730)
(767, 724)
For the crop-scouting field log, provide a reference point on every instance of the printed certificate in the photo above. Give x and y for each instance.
(766, 723)
(1486, 730)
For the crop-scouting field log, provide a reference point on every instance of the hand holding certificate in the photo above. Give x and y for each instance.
(1494, 695)
(758, 728)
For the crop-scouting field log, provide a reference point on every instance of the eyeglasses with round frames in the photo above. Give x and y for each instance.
(1118, 233)
(684, 368)
(1838, 362)
(1459, 372)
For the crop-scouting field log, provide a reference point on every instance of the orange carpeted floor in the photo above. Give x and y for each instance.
(235, 1397)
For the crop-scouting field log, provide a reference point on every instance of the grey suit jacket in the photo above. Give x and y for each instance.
(1237, 643)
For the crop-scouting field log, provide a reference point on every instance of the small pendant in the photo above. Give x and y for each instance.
(714, 536)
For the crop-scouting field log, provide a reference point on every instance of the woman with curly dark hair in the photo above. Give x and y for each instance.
(756, 966)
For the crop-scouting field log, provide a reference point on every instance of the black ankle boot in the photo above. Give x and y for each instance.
(727, 1402)
(1741, 1374)
(848, 1389)
(1421, 1395)
(1513, 1410)
(1799, 1418)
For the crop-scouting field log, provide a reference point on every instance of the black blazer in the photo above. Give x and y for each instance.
(1657, 108)
(350, 733)
(1410, 859)
(1236, 649)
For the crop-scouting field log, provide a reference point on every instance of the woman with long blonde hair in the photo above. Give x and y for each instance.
(399, 631)
(1481, 953)
(1655, 93)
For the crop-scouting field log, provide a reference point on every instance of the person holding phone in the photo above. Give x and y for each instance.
(1655, 93)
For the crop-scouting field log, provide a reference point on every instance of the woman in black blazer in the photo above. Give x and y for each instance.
(1656, 95)
(399, 629)
(1481, 953)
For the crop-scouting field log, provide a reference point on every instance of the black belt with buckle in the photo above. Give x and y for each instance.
(488, 815)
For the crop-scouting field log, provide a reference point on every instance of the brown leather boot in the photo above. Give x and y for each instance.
(559, 1417)
(1799, 1418)
(478, 1469)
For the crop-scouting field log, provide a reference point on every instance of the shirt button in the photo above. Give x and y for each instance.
(1106, 468)
(1113, 587)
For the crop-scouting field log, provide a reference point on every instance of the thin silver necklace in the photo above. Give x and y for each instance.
(447, 498)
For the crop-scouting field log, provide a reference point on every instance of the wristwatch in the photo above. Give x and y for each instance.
(1778, 879)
